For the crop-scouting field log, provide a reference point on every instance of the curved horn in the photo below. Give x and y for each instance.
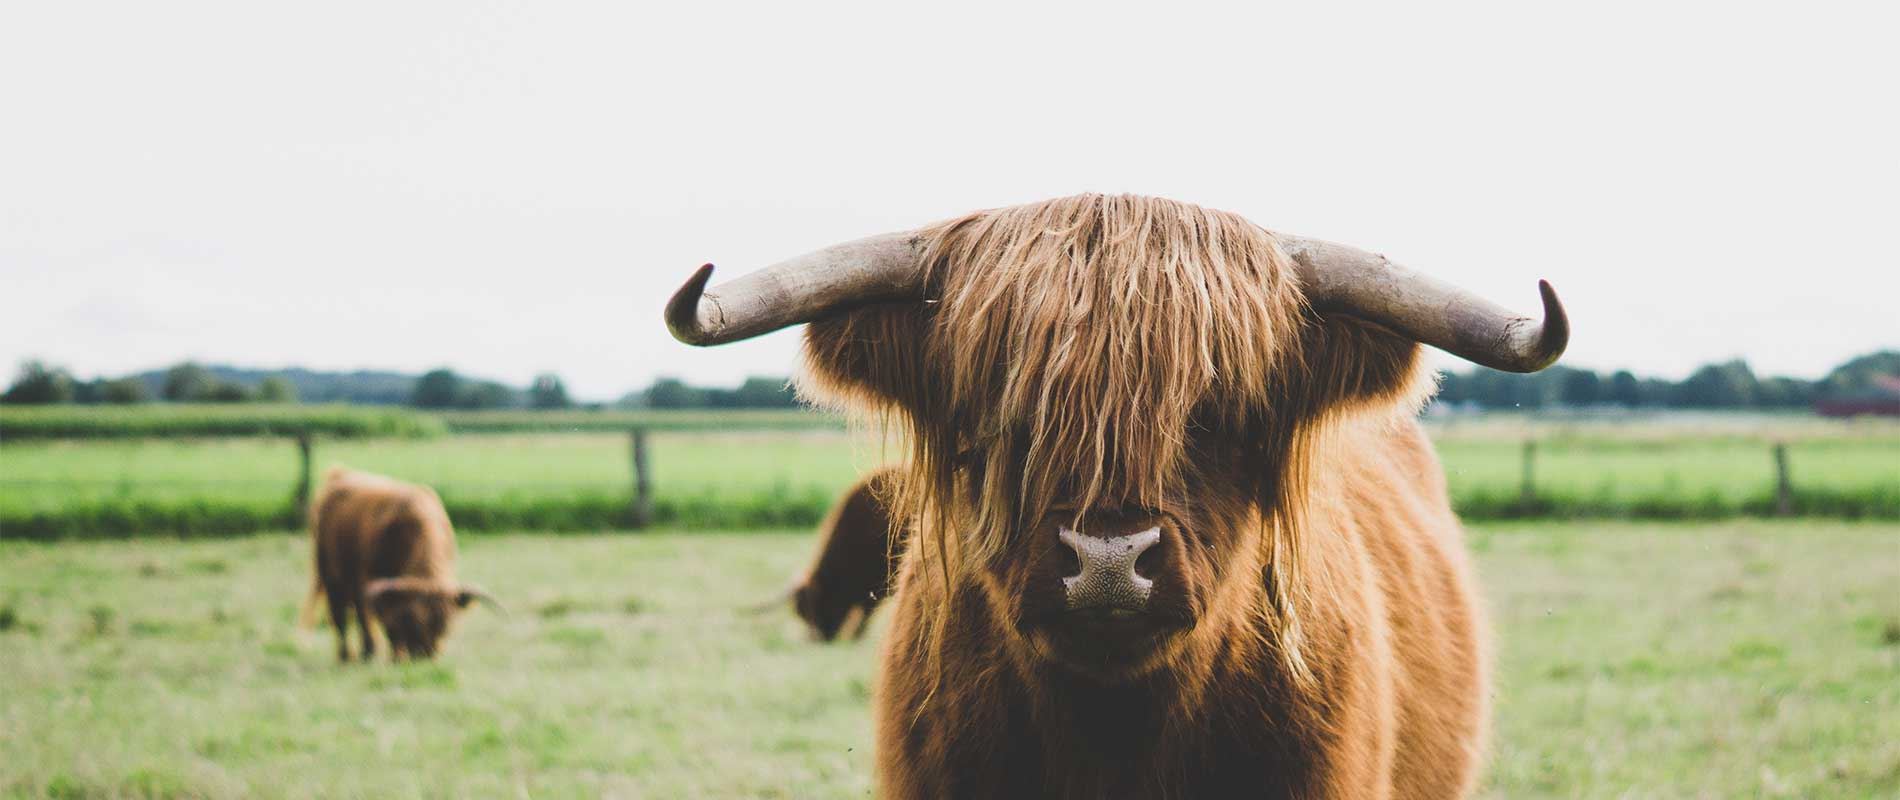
(1367, 285)
(470, 593)
(402, 584)
(777, 601)
(874, 269)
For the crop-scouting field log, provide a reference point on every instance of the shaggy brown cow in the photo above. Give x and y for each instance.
(857, 556)
(385, 547)
(1177, 532)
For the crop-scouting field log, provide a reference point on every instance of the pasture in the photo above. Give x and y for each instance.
(580, 478)
(1742, 658)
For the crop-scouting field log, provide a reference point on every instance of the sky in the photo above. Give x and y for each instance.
(510, 189)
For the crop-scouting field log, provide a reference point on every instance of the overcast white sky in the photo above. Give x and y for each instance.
(509, 189)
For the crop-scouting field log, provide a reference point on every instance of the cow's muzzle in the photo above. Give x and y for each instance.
(1108, 581)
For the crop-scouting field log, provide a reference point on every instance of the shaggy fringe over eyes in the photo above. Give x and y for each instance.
(1081, 337)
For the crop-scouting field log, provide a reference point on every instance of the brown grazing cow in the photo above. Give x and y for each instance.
(1177, 532)
(385, 547)
(857, 557)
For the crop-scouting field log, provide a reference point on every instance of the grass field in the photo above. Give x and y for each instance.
(540, 481)
(582, 480)
(46, 475)
(1738, 659)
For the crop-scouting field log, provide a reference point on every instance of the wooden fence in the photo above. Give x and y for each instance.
(1778, 452)
(640, 511)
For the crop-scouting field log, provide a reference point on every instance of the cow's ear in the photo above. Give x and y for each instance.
(802, 603)
(869, 360)
(1348, 362)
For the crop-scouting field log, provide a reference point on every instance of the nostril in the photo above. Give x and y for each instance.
(1067, 561)
(1149, 563)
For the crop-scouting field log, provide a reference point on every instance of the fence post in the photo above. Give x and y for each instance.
(303, 471)
(1784, 486)
(642, 511)
(1527, 487)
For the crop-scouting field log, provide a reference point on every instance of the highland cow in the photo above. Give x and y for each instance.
(858, 551)
(1176, 530)
(386, 548)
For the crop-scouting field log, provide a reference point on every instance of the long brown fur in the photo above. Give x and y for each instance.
(1099, 352)
(383, 548)
(858, 551)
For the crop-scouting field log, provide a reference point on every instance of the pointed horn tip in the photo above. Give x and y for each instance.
(682, 310)
(1556, 333)
(487, 599)
(1553, 334)
(778, 601)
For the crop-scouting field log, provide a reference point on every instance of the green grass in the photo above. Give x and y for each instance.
(47, 475)
(1734, 660)
(1732, 470)
(748, 478)
(538, 481)
(1671, 478)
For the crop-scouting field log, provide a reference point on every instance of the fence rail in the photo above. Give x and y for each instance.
(1784, 502)
(637, 477)
(639, 509)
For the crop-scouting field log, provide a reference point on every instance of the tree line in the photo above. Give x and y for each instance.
(38, 383)
(1724, 385)
(444, 388)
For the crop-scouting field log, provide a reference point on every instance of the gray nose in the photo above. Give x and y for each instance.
(1108, 577)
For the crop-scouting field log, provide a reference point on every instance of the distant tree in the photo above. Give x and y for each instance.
(87, 392)
(1727, 385)
(673, 393)
(1857, 376)
(1580, 387)
(547, 391)
(1624, 390)
(123, 391)
(1785, 393)
(39, 384)
(761, 392)
(227, 392)
(276, 389)
(188, 383)
(1655, 392)
(1494, 389)
(1452, 388)
(440, 388)
(485, 394)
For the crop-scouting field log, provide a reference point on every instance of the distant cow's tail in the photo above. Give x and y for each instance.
(307, 618)
(314, 603)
